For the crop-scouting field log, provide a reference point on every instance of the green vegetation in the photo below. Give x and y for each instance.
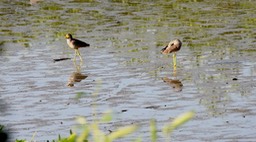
(1, 128)
(92, 130)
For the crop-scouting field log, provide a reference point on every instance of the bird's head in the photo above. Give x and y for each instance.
(177, 43)
(173, 46)
(68, 36)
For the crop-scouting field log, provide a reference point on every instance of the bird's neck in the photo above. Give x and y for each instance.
(69, 40)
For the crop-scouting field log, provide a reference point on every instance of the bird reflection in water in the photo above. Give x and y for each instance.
(174, 83)
(76, 76)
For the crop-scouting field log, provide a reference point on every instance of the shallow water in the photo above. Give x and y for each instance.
(216, 67)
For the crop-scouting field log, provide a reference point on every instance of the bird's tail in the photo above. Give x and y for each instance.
(85, 45)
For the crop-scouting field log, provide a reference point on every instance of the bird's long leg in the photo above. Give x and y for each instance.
(79, 55)
(174, 60)
(174, 72)
(78, 67)
(75, 55)
(174, 64)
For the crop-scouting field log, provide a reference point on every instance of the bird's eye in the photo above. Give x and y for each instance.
(172, 44)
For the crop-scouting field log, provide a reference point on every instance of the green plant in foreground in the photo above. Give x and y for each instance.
(99, 136)
(177, 122)
(1, 128)
(20, 140)
(153, 130)
(24, 140)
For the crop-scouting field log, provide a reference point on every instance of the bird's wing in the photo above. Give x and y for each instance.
(80, 43)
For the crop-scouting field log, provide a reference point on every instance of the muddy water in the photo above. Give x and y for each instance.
(215, 75)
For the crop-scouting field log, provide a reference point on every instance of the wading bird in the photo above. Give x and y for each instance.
(174, 46)
(75, 44)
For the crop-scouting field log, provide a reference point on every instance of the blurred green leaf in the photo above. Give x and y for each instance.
(177, 122)
(107, 116)
(1, 127)
(84, 135)
(153, 130)
(71, 138)
(81, 120)
(121, 132)
(98, 135)
(20, 140)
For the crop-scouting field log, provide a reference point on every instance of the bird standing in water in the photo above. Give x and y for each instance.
(174, 46)
(75, 44)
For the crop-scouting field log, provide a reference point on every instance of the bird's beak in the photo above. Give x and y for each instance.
(162, 50)
(66, 36)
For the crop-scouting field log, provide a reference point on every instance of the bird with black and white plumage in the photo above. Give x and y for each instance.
(76, 44)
